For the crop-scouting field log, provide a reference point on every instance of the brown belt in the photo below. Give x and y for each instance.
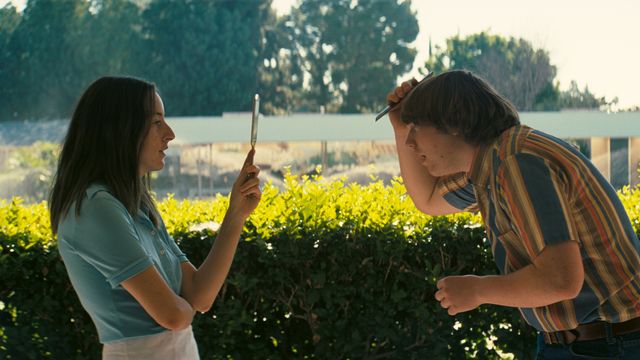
(592, 331)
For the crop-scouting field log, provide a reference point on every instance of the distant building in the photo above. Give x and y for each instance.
(612, 141)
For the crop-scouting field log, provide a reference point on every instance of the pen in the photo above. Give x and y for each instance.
(386, 110)
(254, 120)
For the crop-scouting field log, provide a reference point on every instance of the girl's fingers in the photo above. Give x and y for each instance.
(247, 166)
(251, 171)
(249, 159)
(250, 183)
(252, 191)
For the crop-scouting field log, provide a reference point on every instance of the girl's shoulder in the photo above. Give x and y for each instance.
(99, 204)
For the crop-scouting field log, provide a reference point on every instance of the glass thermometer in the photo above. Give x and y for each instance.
(254, 120)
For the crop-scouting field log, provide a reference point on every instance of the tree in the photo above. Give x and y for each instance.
(574, 98)
(548, 98)
(44, 61)
(111, 40)
(281, 74)
(354, 50)
(33, 72)
(9, 20)
(204, 55)
(517, 70)
(54, 49)
(634, 108)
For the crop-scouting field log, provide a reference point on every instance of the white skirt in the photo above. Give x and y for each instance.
(168, 345)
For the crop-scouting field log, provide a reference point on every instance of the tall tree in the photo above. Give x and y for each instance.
(9, 20)
(58, 47)
(43, 61)
(281, 75)
(204, 55)
(111, 39)
(354, 50)
(517, 70)
(574, 98)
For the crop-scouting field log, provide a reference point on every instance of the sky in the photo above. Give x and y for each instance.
(594, 42)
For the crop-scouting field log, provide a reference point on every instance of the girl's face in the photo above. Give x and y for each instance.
(156, 141)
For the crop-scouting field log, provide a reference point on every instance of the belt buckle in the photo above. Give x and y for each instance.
(564, 337)
(570, 336)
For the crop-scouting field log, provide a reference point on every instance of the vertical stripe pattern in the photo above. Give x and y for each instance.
(535, 190)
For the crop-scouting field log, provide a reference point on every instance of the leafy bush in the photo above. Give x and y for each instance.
(40, 315)
(40, 154)
(323, 271)
(631, 200)
(336, 158)
(30, 170)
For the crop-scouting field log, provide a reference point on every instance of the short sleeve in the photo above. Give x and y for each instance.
(458, 192)
(106, 238)
(534, 195)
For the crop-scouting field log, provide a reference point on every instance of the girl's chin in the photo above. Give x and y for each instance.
(156, 167)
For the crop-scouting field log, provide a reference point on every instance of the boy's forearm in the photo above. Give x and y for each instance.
(419, 183)
(556, 275)
(523, 289)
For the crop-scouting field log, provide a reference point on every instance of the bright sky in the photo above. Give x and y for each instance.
(594, 42)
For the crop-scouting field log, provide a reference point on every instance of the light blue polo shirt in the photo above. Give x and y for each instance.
(105, 246)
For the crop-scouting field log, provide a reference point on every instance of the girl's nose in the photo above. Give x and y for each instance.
(170, 134)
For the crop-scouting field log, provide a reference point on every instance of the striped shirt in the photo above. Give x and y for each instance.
(533, 190)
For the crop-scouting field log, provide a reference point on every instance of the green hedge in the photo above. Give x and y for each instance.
(324, 271)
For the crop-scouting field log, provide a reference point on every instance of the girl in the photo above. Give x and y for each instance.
(140, 290)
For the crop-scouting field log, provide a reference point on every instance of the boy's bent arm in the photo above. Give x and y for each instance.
(557, 274)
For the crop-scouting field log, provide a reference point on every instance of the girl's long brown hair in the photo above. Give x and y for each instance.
(103, 144)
